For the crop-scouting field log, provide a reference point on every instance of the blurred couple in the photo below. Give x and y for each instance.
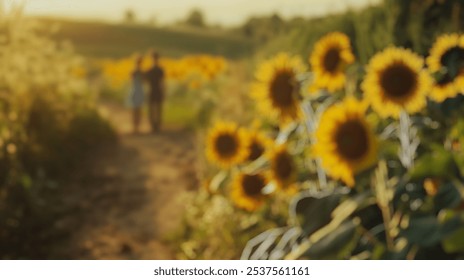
(154, 78)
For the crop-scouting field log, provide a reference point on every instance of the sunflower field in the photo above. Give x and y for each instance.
(339, 137)
(193, 70)
(191, 80)
(344, 159)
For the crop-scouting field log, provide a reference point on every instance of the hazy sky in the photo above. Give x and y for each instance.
(216, 11)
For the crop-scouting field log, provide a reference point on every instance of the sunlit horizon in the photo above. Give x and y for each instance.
(222, 12)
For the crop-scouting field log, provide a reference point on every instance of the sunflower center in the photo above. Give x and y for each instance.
(253, 184)
(282, 88)
(398, 81)
(283, 166)
(452, 56)
(445, 80)
(332, 60)
(352, 141)
(256, 150)
(226, 145)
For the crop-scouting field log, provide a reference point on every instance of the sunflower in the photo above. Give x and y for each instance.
(445, 88)
(247, 190)
(283, 168)
(331, 54)
(396, 81)
(276, 87)
(344, 140)
(446, 50)
(258, 143)
(226, 144)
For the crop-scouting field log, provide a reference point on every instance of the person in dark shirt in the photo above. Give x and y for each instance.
(155, 78)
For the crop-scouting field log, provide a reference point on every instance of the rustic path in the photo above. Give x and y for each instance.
(132, 199)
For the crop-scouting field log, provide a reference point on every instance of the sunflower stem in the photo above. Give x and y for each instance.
(383, 196)
(261, 244)
(369, 236)
(310, 123)
(288, 238)
(407, 134)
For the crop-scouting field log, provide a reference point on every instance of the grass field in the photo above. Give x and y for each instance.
(96, 39)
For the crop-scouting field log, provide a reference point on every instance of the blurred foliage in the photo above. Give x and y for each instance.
(214, 229)
(48, 127)
(392, 22)
(263, 29)
(195, 18)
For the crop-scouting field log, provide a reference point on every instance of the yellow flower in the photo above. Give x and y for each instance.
(258, 143)
(442, 48)
(445, 88)
(283, 168)
(331, 54)
(226, 144)
(446, 48)
(276, 87)
(247, 190)
(344, 140)
(396, 81)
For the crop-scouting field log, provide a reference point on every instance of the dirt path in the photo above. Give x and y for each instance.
(133, 197)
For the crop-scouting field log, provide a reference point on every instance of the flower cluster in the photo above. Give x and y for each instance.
(194, 70)
(318, 136)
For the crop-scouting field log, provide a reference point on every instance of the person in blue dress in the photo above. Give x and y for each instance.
(136, 94)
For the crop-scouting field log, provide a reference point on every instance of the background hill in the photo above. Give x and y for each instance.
(97, 39)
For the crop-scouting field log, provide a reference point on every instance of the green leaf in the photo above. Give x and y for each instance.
(427, 231)
(378, 252)
(336, 244)
(454, 243)
(437, 164)
(423, 231)
(448, 196)
(314, 213)
(459, 158)
(26, 181)
(396, 255)
(457, 131)
(408, 192)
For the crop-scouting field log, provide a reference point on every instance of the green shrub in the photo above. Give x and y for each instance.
(48, 127)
